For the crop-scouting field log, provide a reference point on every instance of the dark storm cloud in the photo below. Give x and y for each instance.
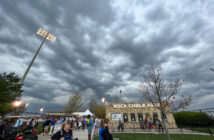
(105, 46)
(157, 12)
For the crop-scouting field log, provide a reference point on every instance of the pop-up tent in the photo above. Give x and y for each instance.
(86, 113)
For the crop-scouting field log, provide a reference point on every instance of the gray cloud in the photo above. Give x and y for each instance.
(105, 46)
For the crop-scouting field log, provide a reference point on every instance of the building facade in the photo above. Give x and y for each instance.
(133, 114)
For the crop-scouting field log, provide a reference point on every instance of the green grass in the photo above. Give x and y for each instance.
(159, 137)
(204, 130)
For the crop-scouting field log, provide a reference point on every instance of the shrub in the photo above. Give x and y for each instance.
(198, 119)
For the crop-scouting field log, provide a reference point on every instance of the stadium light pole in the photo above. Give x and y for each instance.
(17, 103)
(41, 111)
(103, 100)
(45, 35)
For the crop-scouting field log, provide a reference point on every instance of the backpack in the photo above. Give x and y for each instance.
(62, 134)
(106, 135)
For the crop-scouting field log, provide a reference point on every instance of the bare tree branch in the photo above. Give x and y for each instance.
(162, 94)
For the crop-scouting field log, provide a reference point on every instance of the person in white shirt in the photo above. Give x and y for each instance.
(19, 122)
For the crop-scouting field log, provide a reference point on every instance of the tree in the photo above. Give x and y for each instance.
(162, 93)
(92, 105)
(97, 109)
(10, 89)
(192, 119)
(100, 111)
(74, 103)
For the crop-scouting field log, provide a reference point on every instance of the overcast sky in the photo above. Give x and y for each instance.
(104, 46)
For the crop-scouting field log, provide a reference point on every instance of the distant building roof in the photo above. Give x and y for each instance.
(64, 114)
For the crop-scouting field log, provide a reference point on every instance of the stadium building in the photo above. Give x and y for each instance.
(134, 114)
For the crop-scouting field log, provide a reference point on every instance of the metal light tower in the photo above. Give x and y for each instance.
(47, 36)
(103, 100)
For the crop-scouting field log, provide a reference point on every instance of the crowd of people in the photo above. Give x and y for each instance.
(154, 124)
(18, 128)
(54, 124)
(61, 128)
(64, 132)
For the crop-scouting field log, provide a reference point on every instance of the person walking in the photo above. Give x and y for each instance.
(45, 126)
(65, 133)
(160, 127)
(146, 123)
(89, 126)
(62, 121)
(36, 123)
(83, 124)
(80, 124)
(7, 130)
(104, 133)
(52, 126)
(19, 123)
(151, 125)
(102, 128)
(77, 124)
(96, 126)
(120, 125)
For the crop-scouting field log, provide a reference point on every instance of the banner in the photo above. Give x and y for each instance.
(116, 116)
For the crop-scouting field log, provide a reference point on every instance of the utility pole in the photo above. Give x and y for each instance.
(47, 36)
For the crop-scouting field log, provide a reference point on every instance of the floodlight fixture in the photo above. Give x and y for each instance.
(103, 100)
(41, 109)
(17, 103)
(46, 34)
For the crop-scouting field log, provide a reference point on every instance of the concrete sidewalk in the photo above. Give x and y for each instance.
(81, 135)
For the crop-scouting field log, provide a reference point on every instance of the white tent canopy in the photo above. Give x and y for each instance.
(86, 113)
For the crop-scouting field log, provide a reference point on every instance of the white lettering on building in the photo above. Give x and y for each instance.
(140, 105)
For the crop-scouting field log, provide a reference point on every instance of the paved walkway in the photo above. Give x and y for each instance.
(81, 135)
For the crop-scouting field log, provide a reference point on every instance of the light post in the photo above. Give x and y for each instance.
(17, 103)
(26, 105)
(103, 100)
(41, 111)
(47, 36)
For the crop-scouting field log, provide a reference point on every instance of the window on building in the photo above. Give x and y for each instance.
(155, 115)
(140, 117)
(133, 117)
(148, 115)
(125, 117)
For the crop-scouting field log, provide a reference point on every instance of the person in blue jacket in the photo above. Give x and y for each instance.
(104, 133)
(102, 128)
